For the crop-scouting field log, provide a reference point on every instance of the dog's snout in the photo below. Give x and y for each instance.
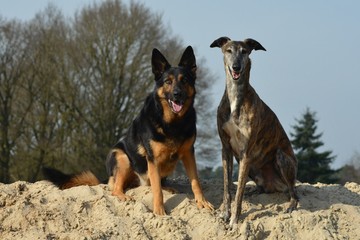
(236, 67)
(177, 93)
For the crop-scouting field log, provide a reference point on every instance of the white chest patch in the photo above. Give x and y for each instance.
(233, 105)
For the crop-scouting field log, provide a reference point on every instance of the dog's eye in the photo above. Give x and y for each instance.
(228, 50)
(184, 80)
(243, 50)
(168, 82)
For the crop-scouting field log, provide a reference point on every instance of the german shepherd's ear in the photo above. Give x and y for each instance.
(220, 42)
(188, 60)
(159, 63)
(253, 44)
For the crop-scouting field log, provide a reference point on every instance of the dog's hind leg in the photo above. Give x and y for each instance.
(288, 169)
(123, 177)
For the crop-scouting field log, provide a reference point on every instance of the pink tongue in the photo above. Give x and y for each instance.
(236, 75)
(177, 108)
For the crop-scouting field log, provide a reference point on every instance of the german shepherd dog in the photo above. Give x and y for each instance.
(163, 133)
(250, 131)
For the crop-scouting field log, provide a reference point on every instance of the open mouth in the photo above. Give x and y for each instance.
(234, 74)
(175, 107)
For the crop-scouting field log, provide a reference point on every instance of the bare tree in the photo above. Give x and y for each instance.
(110, 52)
(45, 36)
(206, 144)
(15, 102)
(75, 86)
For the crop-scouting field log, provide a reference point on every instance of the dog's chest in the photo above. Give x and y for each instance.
(166, 154)
(239, 132)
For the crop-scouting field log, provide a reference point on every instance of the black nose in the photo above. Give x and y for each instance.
(236, 68)
(177, 93)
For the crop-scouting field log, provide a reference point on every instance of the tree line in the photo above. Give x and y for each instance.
(69, 88)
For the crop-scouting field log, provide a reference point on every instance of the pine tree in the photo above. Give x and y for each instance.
(313, 166)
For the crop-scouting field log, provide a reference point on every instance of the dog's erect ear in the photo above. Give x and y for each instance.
(188, 60)
(220, 42)
(253, 44)
(159, 63)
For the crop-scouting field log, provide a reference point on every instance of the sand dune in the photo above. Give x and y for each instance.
(41, 211)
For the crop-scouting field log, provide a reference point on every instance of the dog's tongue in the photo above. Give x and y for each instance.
(176, 107)
(236, 75)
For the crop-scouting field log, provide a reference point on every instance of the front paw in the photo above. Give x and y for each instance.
(123, 197)
(225, 215)
(159, 210)
(233, 222)
(202, 203)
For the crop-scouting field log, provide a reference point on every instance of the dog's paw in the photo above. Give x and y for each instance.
(202, 203)
(290, 209)
(225, 215)
(123, 197)
(292, 206)
(159, 210)
(233, 223)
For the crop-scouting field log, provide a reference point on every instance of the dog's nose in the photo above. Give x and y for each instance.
(177, 93)
(236, 68)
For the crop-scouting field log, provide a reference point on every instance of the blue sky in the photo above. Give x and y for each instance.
(312, 58)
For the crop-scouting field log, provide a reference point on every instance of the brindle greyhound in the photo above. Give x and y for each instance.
(250, 131)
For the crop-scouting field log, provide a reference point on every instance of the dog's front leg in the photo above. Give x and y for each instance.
(155, 181)
(227, 161)
(190, 167)
(244, 166)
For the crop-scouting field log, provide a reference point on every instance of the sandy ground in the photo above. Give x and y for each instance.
(41, 211)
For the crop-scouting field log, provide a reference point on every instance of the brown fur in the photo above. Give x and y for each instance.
(250, 131)
(84, 178)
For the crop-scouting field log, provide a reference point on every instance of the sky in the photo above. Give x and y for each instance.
(312, 58)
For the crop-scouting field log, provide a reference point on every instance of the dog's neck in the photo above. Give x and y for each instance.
(237, 90)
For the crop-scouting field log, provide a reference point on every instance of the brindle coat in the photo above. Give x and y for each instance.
(250, 131)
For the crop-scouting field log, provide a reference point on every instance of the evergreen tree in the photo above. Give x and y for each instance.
(313, 166)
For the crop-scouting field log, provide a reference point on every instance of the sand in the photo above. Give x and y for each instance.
(41, 211)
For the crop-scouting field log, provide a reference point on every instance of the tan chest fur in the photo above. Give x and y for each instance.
(166, 154)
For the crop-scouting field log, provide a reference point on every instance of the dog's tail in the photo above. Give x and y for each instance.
(64, 181)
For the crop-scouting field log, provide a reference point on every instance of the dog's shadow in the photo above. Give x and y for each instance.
(174, 201)
(321, 197)
(312, 198)
(182, 190)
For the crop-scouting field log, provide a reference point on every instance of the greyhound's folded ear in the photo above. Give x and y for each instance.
(220, 42)
(159, 63)
(188, 60)
(253, 44)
